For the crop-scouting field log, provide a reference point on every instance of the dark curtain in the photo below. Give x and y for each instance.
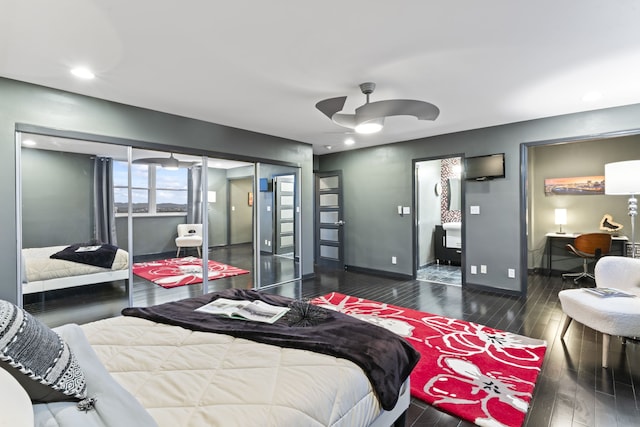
(104, 218)
(194, 197)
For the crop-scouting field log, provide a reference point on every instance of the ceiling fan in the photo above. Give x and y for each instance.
(166, 162)
(369, 117)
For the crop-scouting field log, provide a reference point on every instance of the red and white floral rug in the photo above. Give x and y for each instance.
(474, 372)
(173, 272)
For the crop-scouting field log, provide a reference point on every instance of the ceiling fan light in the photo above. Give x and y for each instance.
(372, 126)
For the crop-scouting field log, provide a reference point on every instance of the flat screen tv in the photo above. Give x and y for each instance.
(482, 168)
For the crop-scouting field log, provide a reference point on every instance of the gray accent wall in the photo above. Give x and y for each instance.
(57, 200)
(27, 104)
(378, 179)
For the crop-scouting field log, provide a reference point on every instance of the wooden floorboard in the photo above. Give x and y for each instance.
(572, 390)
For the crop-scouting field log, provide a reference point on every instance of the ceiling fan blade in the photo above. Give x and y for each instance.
(150, 161)
(346, 120)
(396, 107)
(331, 106)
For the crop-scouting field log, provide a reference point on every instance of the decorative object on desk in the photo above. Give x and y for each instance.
(607, 224)
(623, 178)
(581, 185)
(561, 219)
(483, 375)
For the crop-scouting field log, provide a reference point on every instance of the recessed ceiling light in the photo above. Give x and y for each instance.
(328, 147)
(349, 141)
(29, 142)
(83, 73)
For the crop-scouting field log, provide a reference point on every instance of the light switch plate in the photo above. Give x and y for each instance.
(406, 210)
(474, 210)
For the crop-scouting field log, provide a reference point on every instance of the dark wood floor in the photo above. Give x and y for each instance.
(572, 389)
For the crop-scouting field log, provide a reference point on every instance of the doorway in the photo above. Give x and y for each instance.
(240, 210)
(438, 225)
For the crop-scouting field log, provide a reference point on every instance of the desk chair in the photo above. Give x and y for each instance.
(588, 246)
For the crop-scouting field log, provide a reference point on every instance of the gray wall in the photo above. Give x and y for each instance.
(378, 179)
(584, 212)
(57, 198)
(23, 103)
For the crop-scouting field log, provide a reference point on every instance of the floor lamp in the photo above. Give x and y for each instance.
(623, 178)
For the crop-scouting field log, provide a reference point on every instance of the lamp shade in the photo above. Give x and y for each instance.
(622, 177)
(561, 216)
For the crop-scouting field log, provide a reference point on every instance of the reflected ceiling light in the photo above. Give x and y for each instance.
(349, 141)
(328, 147)
(29, 143)
(83, 73)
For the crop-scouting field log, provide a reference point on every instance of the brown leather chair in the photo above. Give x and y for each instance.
(588, 246)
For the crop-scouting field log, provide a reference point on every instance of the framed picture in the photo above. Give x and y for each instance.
(581, 185)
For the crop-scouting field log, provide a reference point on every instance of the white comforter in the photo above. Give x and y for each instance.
(187, 378)
(38, 265)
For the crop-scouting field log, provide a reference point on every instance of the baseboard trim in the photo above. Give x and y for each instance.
(492, 290)
(383, 273)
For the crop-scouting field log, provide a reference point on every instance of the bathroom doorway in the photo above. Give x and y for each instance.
(438, 231)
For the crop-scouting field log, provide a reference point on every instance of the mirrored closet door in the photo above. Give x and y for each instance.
(69, 236)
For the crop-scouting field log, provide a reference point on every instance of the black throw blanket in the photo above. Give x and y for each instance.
(386, 358)
(100, 255)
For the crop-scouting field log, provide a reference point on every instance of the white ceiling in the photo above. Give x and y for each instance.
(263, 65)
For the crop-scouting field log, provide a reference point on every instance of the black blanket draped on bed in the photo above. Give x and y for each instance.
(98, 255)
(386, 358)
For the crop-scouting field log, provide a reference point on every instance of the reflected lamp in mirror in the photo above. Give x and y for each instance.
(623, 179)
(561, 219)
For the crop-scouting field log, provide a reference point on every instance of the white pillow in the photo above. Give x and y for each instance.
(15, 405)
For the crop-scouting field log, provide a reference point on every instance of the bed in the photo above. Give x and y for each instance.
(145, 373)
(42, 273)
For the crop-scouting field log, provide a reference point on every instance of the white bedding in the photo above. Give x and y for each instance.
(39, 266)
(187, 378)
(42, 273)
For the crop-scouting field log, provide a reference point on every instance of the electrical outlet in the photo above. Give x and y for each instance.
(511, 273)
(394, 260)
(483, 269)
(474, 269)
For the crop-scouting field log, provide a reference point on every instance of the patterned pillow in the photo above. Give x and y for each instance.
(38, 358)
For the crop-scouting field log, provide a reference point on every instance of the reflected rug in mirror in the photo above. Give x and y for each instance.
(474, 372)
(173, 272)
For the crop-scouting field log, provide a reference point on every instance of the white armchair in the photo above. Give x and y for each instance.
(189, 236)
(617, 316)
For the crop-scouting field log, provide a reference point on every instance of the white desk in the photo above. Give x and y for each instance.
(551, 237)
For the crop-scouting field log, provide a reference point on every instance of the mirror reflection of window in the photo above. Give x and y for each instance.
(155, 190)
